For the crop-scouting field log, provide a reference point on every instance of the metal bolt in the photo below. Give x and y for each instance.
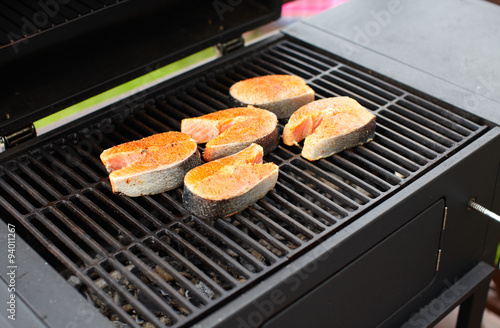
(482, 209)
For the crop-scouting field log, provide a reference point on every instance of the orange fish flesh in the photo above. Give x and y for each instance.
(231, 130)
(151, 165)
(229, 185)
(280, 94)
(329, 126)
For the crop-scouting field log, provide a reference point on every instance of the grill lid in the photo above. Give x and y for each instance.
(56, 53)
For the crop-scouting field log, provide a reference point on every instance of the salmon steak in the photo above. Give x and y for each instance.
(228, 185)
(229, 131)
(280, 94)
(152, 165)
(329, 126)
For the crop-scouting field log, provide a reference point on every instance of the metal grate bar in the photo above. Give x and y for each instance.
(25, 206)
(230, 247)
(209, 98)
(255, 67)
(298, 62)
(359, 89)
(452, 126)
(301, 221)
(28, 189)
(359, 171)
(381, 176)
(167, 266)
(299, 50)
(203, 243)
(245, 72)
(160, 280)
(166, 272)
(335, 184)
(259, 252)
(307, 204)
(70, 228)
(50, 193)
(227, 281)
(332, 89)
(436, 141)
(382, 161)
(264, 238)
(393, 156)
(399, 149)
(324, 188)
(425, 106)
(144, 291)
(271, 224)
(117, 287)
(134, 217)
(56, 233)
(215, 93)
(366, 84)
(431, 124)
(202, 276)
(424, 145)
(99, 229)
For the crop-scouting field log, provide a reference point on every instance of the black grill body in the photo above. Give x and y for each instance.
(379, 235)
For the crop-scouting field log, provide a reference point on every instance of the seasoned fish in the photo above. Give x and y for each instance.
(281, 94)
(230, 130)
(329, 126)
(229, 185)
(151, 165)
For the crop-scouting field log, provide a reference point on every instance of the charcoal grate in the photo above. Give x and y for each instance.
(147, 261)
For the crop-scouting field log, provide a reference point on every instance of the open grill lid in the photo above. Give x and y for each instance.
(56, 53)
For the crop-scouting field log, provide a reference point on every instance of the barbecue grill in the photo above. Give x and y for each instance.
(378, 235)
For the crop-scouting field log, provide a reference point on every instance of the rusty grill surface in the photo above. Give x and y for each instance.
(147, 261)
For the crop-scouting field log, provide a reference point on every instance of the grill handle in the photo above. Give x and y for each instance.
(482, 209)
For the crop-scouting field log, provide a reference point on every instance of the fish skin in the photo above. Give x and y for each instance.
(231, 130)
(280, 94)
(228, 185)
(329, 126)
(151, 165)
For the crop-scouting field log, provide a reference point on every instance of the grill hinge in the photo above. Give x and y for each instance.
(445, 216)
(438, 260)
(225, 48)
(17, 137)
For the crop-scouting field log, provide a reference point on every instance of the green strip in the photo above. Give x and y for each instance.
(498, 254)
(126, 87)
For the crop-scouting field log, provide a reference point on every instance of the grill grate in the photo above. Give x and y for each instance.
(22, 19)
(147, 259)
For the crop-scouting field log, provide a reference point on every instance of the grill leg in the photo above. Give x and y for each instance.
(469, 293)
(471, 310)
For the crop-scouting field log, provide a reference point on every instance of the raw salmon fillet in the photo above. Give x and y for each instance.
(229, 185)
(329, 126)
(280, 94)
(151, 165)
(230, 130)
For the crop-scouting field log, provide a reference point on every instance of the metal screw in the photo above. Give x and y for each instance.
(482, 209)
